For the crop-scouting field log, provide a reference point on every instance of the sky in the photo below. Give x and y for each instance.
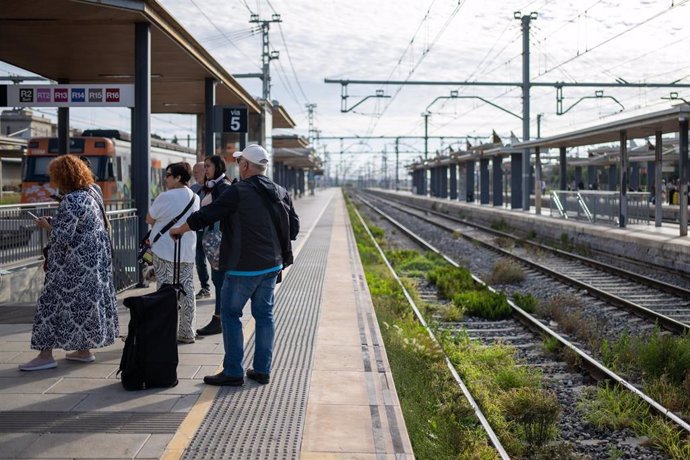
(434, 40)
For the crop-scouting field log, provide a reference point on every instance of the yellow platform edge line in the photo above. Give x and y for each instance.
(191, 423)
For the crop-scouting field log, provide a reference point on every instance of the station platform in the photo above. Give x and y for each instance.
(643, 242)
(331, 394)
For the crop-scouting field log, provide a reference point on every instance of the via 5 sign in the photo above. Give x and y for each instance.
(233, 119)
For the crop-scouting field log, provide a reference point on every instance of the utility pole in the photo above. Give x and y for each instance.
(397, 164)
(310, 117)
(525, 19)
(266, 55)
(426, 134)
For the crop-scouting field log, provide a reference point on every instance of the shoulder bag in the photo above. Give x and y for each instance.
(145, 253)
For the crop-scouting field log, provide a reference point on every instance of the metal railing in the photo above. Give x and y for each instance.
(21, 241)
(559, 206)
(600, 206)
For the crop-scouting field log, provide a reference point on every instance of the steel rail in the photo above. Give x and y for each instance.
(468, 395)
(664, 321)
(595, 368)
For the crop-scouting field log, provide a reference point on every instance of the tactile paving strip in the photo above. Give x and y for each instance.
(266, 421)
(90, 422)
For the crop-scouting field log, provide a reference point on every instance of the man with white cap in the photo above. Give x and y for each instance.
(257, 223)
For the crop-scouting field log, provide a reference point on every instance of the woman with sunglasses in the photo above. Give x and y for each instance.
(164, 209)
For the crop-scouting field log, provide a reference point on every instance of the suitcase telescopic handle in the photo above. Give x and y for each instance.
(177, 260)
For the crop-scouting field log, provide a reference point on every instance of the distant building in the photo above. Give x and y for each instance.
(24, 124)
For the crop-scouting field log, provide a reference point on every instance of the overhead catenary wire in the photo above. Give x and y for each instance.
(222, 33)
(417, 64)
(619, 34)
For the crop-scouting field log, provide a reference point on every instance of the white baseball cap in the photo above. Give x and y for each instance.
(253, 153)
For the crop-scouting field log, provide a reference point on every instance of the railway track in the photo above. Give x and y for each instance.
(663, 303)
(526, 333)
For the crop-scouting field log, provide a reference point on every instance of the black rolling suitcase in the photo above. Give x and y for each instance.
(149, 359)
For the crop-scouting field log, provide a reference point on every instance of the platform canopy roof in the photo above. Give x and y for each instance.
(665, 121)
(92, 41)
(282, 119)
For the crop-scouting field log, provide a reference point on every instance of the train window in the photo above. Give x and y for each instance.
(99, 144)
(110, 176)
(33, 144)
(75, 146)
(37, 168)
(119, 169)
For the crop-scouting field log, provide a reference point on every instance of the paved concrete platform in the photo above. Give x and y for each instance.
(348, 406)
(643, 242)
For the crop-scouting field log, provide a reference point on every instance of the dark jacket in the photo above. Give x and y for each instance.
(250, 240)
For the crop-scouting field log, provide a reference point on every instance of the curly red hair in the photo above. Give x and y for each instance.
(69, 173)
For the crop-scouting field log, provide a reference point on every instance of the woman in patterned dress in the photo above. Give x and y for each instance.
(164, 209)
(77, 309)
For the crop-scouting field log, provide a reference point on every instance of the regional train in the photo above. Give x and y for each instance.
(110, 154)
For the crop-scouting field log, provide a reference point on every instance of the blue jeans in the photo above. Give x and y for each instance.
(218, 278)
(236, 291)
(200, 260)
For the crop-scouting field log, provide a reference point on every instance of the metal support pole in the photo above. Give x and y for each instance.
(453, 181)
(525, 110)
(591, 176)
(497, 166)
(658, 198)
(484, 181)
(613, 175)
(397, 164)
(623, 193)
(209, 105)
(63, 127)
(563, 171)
(683, 172)
(516, 180)
(141, 128)
(426, 135)
(537, 178)
(469, 176)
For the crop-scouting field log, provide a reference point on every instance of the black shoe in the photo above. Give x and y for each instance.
(213, 327)
(258, 376)
(221, 379)
(203, 293)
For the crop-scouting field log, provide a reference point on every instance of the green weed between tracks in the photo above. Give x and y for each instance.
(439, 420)
(658, 360)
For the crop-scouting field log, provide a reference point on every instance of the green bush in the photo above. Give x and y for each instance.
(534, 412)
(551, 344)
(450, 280)
(507, 271)
(664, 355)
(525, 301)
(609, 406)
(484, 303)
(508, 378)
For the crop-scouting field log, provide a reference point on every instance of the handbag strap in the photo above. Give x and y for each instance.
(175, 220)
(96, 196)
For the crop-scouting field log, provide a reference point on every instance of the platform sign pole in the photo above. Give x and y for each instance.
(683, 172)
(141, 128)
(658, 198)
(209, 104)
(623, 184)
